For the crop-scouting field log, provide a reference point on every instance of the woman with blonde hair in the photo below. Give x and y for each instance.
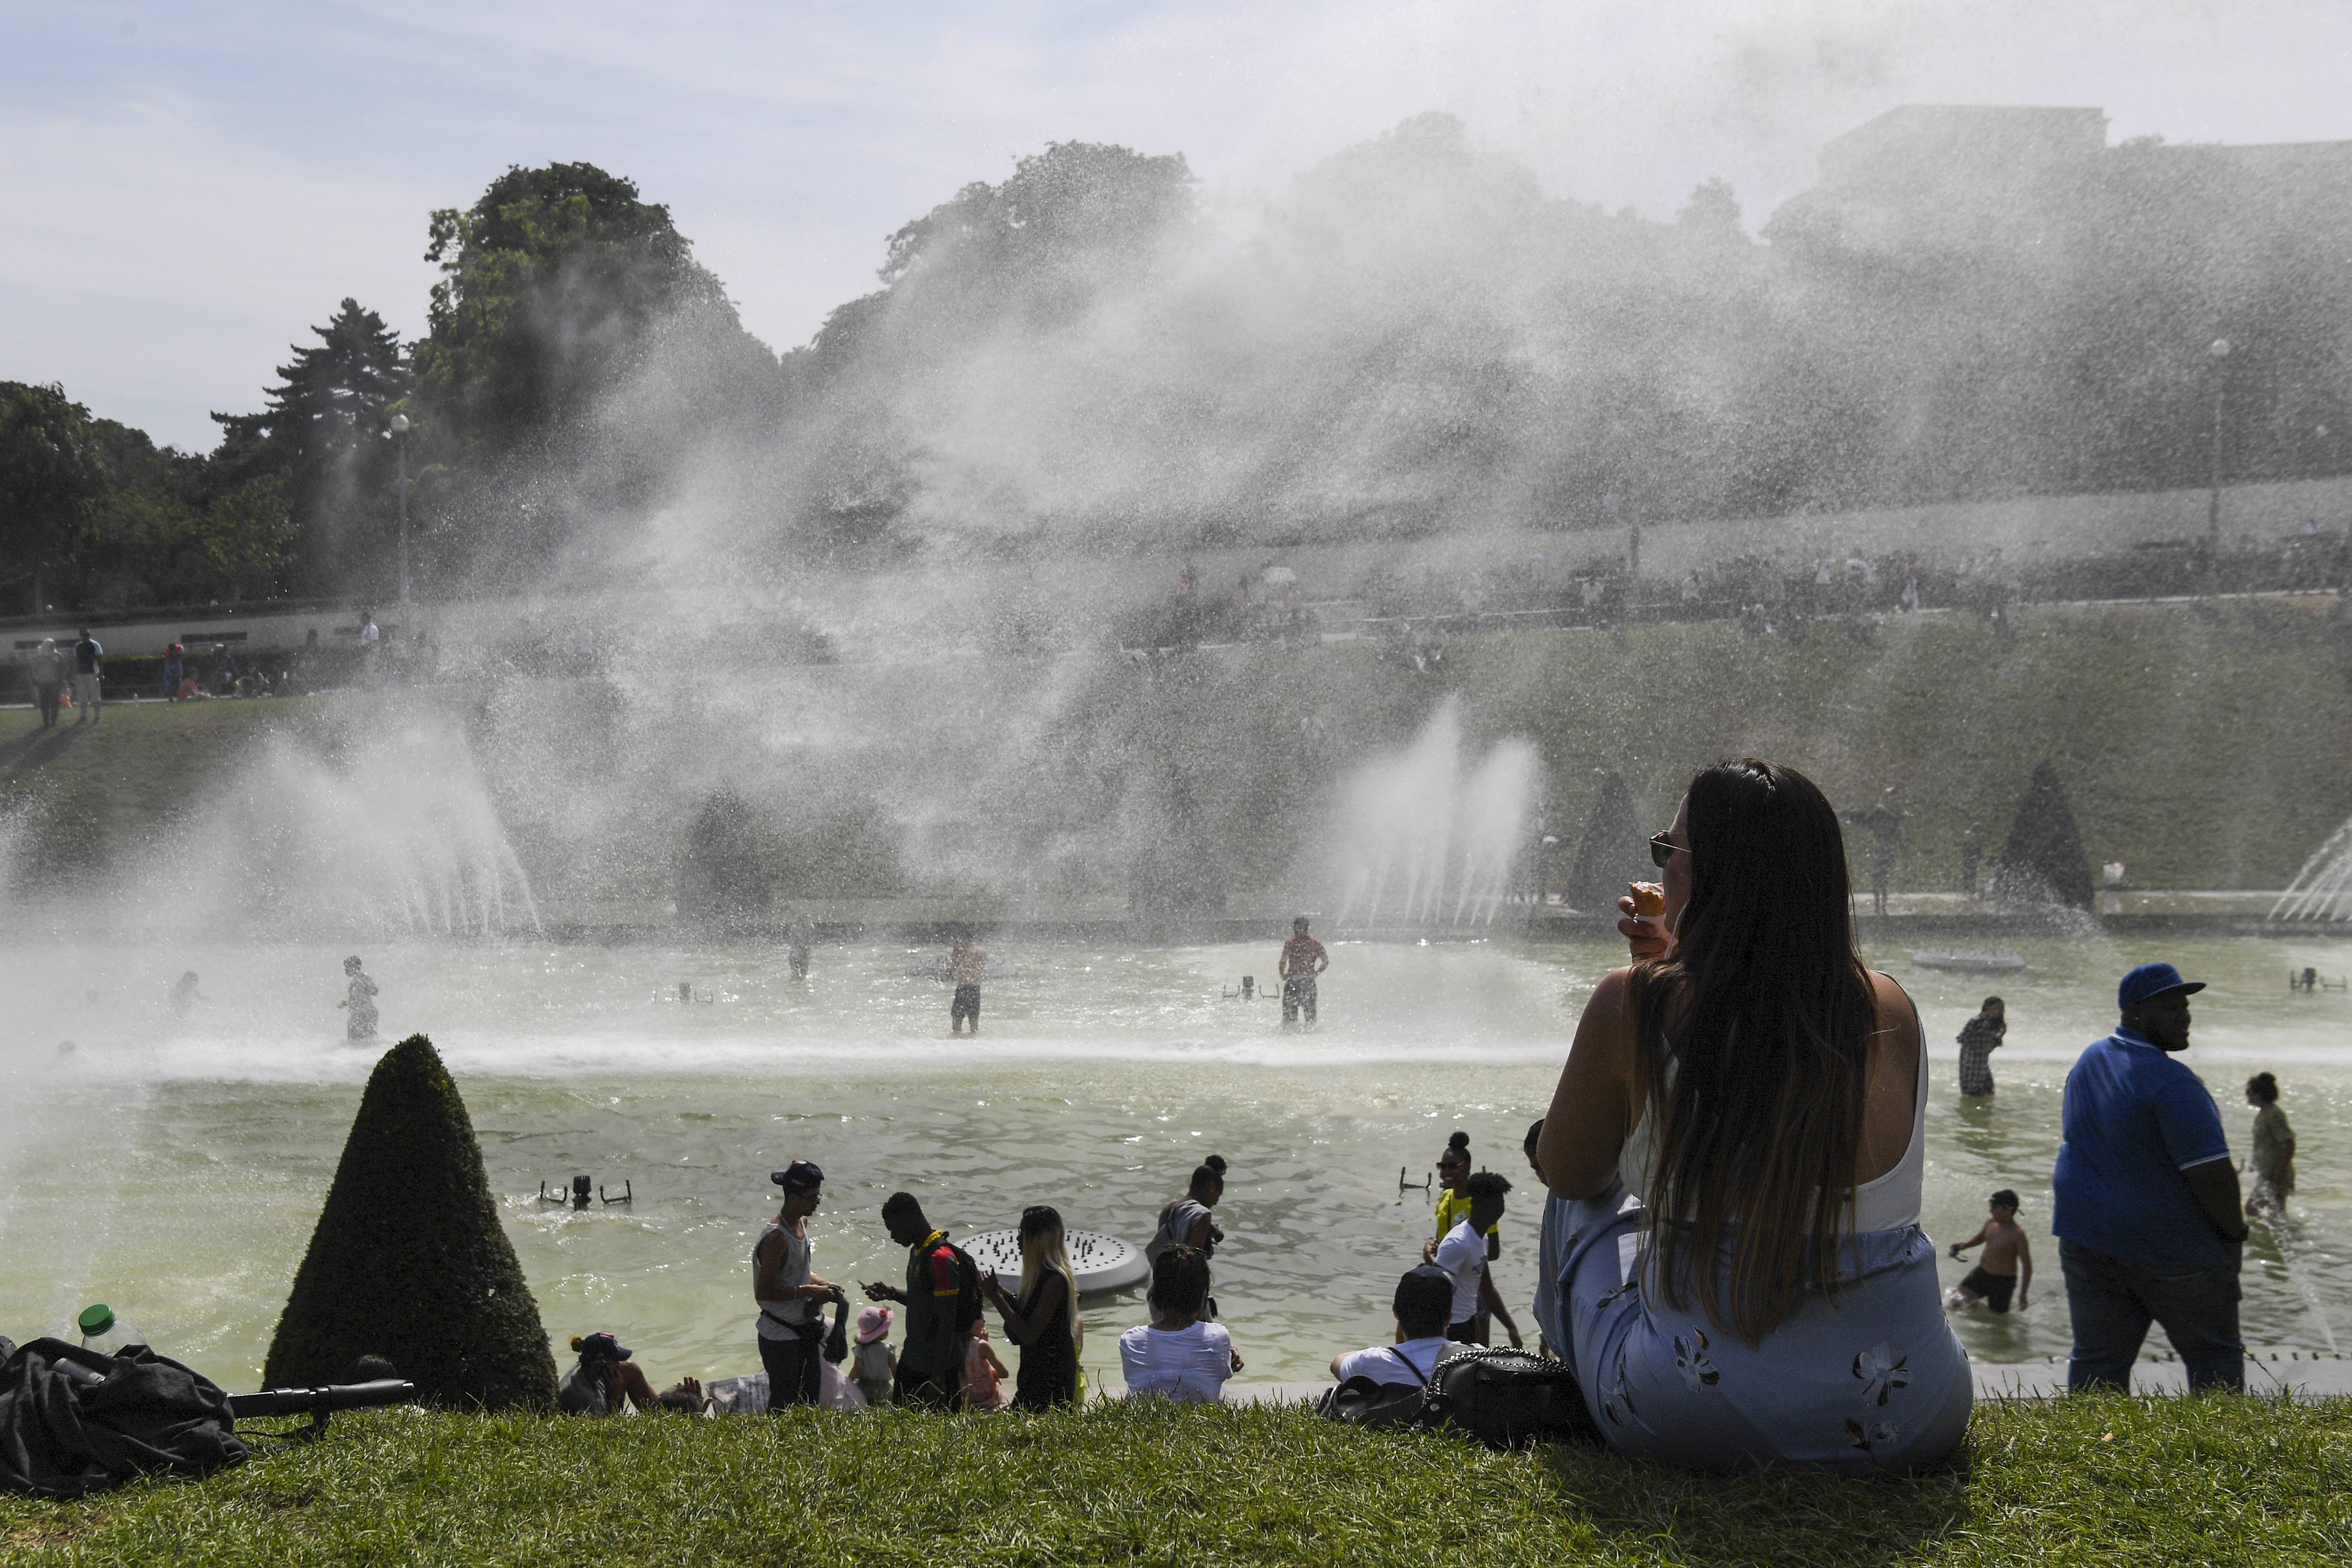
(1735, 1153)
(1044, 1321)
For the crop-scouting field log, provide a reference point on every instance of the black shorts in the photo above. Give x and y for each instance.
(1996, 1289)
(966, 1004)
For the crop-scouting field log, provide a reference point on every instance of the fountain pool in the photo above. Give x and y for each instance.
(175, 1167)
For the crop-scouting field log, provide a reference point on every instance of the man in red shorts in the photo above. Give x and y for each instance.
(1302, 959)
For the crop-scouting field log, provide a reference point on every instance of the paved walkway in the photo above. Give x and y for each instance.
(2304, 1379)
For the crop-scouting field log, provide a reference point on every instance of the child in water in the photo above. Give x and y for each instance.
(982, 1372)
(2274, 1162)
(2005, 1254)
(361, 1000)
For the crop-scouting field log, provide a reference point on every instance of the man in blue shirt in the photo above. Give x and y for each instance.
(2147, 1214)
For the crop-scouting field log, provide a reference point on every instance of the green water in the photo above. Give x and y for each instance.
(173, 1168)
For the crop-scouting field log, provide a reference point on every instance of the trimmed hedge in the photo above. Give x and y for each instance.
(410, 1261)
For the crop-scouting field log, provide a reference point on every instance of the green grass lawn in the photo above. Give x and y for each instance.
(143, 773)
(2089, 1480)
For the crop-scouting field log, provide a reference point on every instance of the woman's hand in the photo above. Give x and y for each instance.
(1646, 934)
(1237, 1359)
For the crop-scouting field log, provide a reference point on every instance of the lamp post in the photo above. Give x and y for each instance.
(400, 435)
(2220, 353)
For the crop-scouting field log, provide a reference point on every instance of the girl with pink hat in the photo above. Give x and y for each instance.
(876, 1366)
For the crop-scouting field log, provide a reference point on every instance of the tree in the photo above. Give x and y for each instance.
(1174, 874)
(551, 285)
(722, 882)
(560, 289)
(1712, 215)
(409, 1260)
(1613, 851)
(52, 472)
(1071, 219)
(328, 427)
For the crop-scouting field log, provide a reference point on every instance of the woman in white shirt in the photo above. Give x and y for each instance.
(1177, 1355)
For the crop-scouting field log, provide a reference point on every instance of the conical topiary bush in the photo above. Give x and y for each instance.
(409, 1260)
(722, 883)
(1174, 872)
(1615, 850)
(2044, 859)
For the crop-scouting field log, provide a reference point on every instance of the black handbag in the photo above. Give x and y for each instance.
(1504, 1398)
(1361, 1402)
(836, 1343)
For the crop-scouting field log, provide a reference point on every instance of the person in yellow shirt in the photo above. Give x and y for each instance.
(1454, 1168)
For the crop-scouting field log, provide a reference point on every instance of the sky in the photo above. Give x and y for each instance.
(190, 187)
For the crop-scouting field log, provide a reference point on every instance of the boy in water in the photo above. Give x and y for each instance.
(1998, 1273)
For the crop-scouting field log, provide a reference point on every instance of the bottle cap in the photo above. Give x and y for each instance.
(96, 1319)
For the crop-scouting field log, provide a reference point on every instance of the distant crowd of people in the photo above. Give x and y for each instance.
(74, 676)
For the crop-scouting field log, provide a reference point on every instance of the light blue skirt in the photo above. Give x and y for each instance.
(1872, 1378)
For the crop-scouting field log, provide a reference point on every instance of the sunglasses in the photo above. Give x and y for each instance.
(1663, 849)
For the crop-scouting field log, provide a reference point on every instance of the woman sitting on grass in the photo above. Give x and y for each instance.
(1177, 1355)
(1756, 1289)
(602, 1376)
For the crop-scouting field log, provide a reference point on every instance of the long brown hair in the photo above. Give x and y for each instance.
(1757, 1106)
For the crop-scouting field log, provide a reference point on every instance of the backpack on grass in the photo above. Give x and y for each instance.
(1504, 1398)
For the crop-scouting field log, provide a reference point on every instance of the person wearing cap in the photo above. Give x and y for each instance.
(602, 1378)
(2147, 1206)
(791, 1330)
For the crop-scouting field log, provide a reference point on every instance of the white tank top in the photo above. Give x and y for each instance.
(791, 1277)
(1885, 1203)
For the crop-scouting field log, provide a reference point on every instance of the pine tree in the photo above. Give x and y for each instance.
(329, 425)
(409, 1260)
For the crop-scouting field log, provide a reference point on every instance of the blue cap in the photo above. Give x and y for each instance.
(2152, 980)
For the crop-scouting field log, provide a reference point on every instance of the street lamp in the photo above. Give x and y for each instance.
(401, 433)
(2219, 352)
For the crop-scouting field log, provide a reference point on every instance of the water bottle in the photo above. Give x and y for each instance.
(104, 1332)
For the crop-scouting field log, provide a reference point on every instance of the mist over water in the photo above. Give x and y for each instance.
(1431, 838)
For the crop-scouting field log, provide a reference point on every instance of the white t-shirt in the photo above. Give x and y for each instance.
(1395, 1363)
(1186, 1364)
(1462, 1256)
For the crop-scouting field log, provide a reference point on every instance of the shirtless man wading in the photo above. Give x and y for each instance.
(1302, 959)
(966, 963)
